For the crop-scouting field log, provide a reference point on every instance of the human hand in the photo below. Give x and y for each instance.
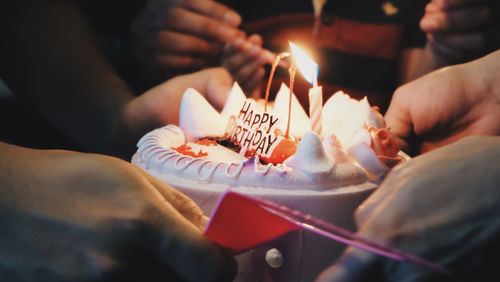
(160, 105)
(245, 60)
(179, 36)
(447, 105)
(457, 29)
(70, 216)
(442, 206)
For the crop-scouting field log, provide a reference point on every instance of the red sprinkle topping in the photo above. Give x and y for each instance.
(188, 151)
(250, 153)
(206, 142)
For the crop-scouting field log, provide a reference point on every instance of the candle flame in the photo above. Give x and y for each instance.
(308, 68)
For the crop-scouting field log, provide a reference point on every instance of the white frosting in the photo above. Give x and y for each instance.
(198, 118)
(333, 149)
(311, 157)
(235, 99)
(299, 122)
(373, 119)
(367, 158)
(341, 116)
(153, 155)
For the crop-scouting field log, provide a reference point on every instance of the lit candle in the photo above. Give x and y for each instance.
(309, 70)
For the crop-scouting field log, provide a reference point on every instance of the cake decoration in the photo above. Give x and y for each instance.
(269, 150)
(208, 143)
(299, 122)
(198, 119)
(311, 156)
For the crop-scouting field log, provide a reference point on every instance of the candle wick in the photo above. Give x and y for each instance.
(271, 75)
(317, 26)
(315, 77)
(292, 72)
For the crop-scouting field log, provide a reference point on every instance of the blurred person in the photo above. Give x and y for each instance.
(441, 205)
(367, 51)
(68, 216)
(61, 72)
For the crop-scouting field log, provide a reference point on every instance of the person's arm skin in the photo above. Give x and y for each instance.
(447, 105)
(409, 61)
(50, 59)
(68, 216)
(456, 33)
(442, 206)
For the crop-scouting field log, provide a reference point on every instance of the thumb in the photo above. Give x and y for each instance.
(353, 266)
(181, 247)
(398, 117)
(182, 203)
(215, 84)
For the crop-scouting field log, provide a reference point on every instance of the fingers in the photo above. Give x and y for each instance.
(256, 39)
(448, 4)
(201, 25)
(178, 243)
(245, 60)
(241, 52)
(248, 71)
(182, 51)
(255, 82)
(458, 46)
(215, 10)
(439, 19)
(170, 236)
(398, 116)
(183, 204)
(186, 251)
(215, 84)
(179, 43)
(467, 42)
(353, 266)
(179, 61)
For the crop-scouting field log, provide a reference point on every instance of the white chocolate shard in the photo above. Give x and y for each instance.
(234, 101)
(342, 116)
(334, 150)
(372, 118)
(367, 159)
(198, 118)
(299, 123)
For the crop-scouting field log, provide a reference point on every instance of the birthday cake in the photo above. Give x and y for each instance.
(269, 151)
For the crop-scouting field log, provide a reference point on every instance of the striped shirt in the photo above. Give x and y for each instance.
(357, 47)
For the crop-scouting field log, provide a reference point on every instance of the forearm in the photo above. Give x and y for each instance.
(430, 61)
(51, 61)
(484, 74)
(15, 179)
